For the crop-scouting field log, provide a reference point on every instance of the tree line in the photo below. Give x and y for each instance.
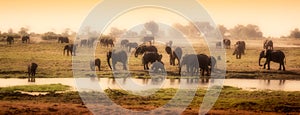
(153, 28)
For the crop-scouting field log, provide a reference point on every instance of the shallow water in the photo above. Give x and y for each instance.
(91, 83)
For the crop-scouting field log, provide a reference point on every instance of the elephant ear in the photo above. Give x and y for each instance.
(262, 54)
(168, 50)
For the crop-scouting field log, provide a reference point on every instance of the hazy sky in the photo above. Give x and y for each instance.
(274, 17)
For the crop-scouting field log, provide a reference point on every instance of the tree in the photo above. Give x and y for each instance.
(204, 27)
(183, 29)
(66, 32)
(249, 31)
(152, 27)
(49, 36)
(10, 31)
(223, 30)
(131, 34)
(116, 33)
(295, 33)
(23, 31)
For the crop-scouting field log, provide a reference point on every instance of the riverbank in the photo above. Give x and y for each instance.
(231, 101)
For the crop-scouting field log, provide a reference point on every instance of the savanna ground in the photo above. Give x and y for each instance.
(53, 64)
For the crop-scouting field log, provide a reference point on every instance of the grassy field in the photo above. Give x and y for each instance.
(53, 64)
(231, 101)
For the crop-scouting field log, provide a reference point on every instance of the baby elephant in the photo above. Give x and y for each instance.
(96, 63)
(31, 72)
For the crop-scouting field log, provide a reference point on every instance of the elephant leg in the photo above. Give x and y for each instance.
(114, 64)
(98, 67)
(283, 67)
(147, 67)
(124, 66)
(170, 60)
(268, 65)
(265, 65)
(29, 76)
(280, 66)
(202, 72)
(207, 71)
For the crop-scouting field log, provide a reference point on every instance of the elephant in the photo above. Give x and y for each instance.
(70, 48)
(31, 72)
(10, 40)
(131, 45)
(91, 41)
(190, 61)
(25, 39)
(176, 54)
(242, 45)
(63, 39)
(158, 67)
(272, 55)
(226, 43)
(149, 39)
(204, 61)
(268, 44)
(238, 51)
(219, 45)
(124, 42)
(96, 62)
(117, 56)
(143, 48)
(151, 57)
(83, 42)
(107, 41)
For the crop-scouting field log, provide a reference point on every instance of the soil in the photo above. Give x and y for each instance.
(70, 103)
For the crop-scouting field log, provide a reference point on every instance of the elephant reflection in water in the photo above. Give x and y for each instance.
(197, 80)
(281, 81)
(157, 72)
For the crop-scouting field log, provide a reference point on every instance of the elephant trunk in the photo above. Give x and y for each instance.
(108, 62)
(259, 61)
(261, 55)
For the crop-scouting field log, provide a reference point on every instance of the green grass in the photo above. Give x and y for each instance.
(36, 88)
(230, 98)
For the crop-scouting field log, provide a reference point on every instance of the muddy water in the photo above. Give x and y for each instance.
(85, 83)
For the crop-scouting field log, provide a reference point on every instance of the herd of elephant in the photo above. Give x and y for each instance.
(268, 52)
(150, 55)
(10, 39)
